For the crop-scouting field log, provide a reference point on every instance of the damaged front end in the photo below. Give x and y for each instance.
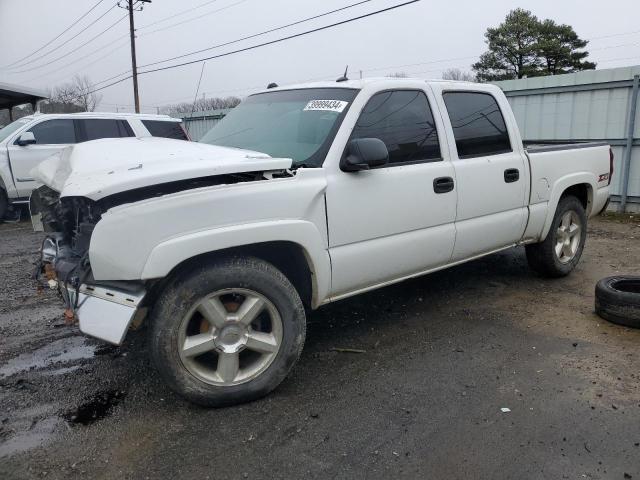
(103, 309)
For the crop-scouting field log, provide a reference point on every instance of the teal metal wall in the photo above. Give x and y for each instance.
(199, 123)
(594, 105)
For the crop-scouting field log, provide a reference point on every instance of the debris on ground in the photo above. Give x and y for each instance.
(348, 350)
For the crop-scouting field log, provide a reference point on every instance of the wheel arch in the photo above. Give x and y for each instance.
(297, 251)
(288, 257)
(580, 185)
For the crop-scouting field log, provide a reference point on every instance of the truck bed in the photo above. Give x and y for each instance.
(539, 147)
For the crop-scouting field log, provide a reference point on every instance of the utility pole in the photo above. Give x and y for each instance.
(131, 6)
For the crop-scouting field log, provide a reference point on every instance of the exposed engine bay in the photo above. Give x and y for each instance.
(70, 221)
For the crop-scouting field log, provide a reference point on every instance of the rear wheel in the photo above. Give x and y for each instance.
(560, 252)
(229, 332)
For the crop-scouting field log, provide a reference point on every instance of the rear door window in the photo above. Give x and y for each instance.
(165, 129)
(96, 128)
(478, 125)
(59, 131)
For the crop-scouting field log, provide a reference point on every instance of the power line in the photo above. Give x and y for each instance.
(170, 17)
(111, 45)
(257, 34)
(614, 35)
(56, 37)
(236, 41)
(195, 18)
(253, 47)
(24, 64)
(75, 49)
(282, 39)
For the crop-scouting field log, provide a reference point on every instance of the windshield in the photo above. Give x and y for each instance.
(12, 127)
(296, 124)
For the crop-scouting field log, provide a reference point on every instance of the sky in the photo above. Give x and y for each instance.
(422, 39)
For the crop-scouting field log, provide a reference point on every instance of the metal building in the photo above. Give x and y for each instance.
(14, 95)
(594, 105)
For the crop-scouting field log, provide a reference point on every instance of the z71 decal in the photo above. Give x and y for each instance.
(326, 105)
(603, 177)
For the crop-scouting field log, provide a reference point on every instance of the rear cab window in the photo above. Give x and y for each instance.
(165, 129)
(478, 125)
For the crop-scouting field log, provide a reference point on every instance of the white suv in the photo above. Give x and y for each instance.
(29, 140)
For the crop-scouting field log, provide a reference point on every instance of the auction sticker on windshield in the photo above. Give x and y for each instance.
(326, 105)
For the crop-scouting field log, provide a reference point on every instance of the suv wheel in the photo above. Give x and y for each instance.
(227, 333)
(560, 252)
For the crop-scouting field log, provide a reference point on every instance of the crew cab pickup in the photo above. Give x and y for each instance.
(301, 196)
(29, 140)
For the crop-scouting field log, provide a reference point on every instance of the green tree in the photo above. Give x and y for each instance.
(523, 46)
(558, 47)
(512, 48)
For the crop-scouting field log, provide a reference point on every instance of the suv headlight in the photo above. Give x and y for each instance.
(54, 247)
(49, 250)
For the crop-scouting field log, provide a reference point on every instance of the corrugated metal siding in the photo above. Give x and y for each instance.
(199, 123)
(590, 105)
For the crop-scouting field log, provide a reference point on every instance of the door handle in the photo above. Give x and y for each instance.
(443, 184)
(511, 175)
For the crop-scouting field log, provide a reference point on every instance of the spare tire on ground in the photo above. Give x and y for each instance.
(618, 300)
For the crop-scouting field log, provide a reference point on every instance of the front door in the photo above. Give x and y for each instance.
(51, 136)
(394, 221)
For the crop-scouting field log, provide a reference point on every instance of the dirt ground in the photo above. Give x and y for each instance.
(443, 355)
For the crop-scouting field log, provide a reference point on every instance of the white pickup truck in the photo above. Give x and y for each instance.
(301, 196)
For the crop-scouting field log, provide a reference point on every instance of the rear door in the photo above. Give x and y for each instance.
(51, 136)
(491, 173)
(393, 221)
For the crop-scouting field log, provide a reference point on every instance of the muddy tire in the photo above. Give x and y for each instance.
(227, 332)
(4, 204)
(560, 252)
(618, 300)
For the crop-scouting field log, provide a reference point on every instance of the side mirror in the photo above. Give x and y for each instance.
(27, 138)
(363, 154)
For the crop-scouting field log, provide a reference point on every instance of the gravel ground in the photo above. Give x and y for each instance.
(443, 355)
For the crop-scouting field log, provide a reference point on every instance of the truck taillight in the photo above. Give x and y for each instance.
(610, 165)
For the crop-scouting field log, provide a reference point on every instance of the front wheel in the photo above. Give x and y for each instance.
(227, 333)
(560, 252)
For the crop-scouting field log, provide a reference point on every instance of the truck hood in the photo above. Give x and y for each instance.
(105, 167)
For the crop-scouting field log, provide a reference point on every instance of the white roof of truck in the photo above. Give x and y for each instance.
(362, 83)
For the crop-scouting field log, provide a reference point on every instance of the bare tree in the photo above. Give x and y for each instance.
(201, 104)
(75, 96)
(82, 87)
(398, 75)
(457, 74)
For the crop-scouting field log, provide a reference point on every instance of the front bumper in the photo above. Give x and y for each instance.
(105, 313)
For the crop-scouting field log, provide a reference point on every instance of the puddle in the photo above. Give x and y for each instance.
(62, 371)
(40, 433)
(58, 351)
(98, 407)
